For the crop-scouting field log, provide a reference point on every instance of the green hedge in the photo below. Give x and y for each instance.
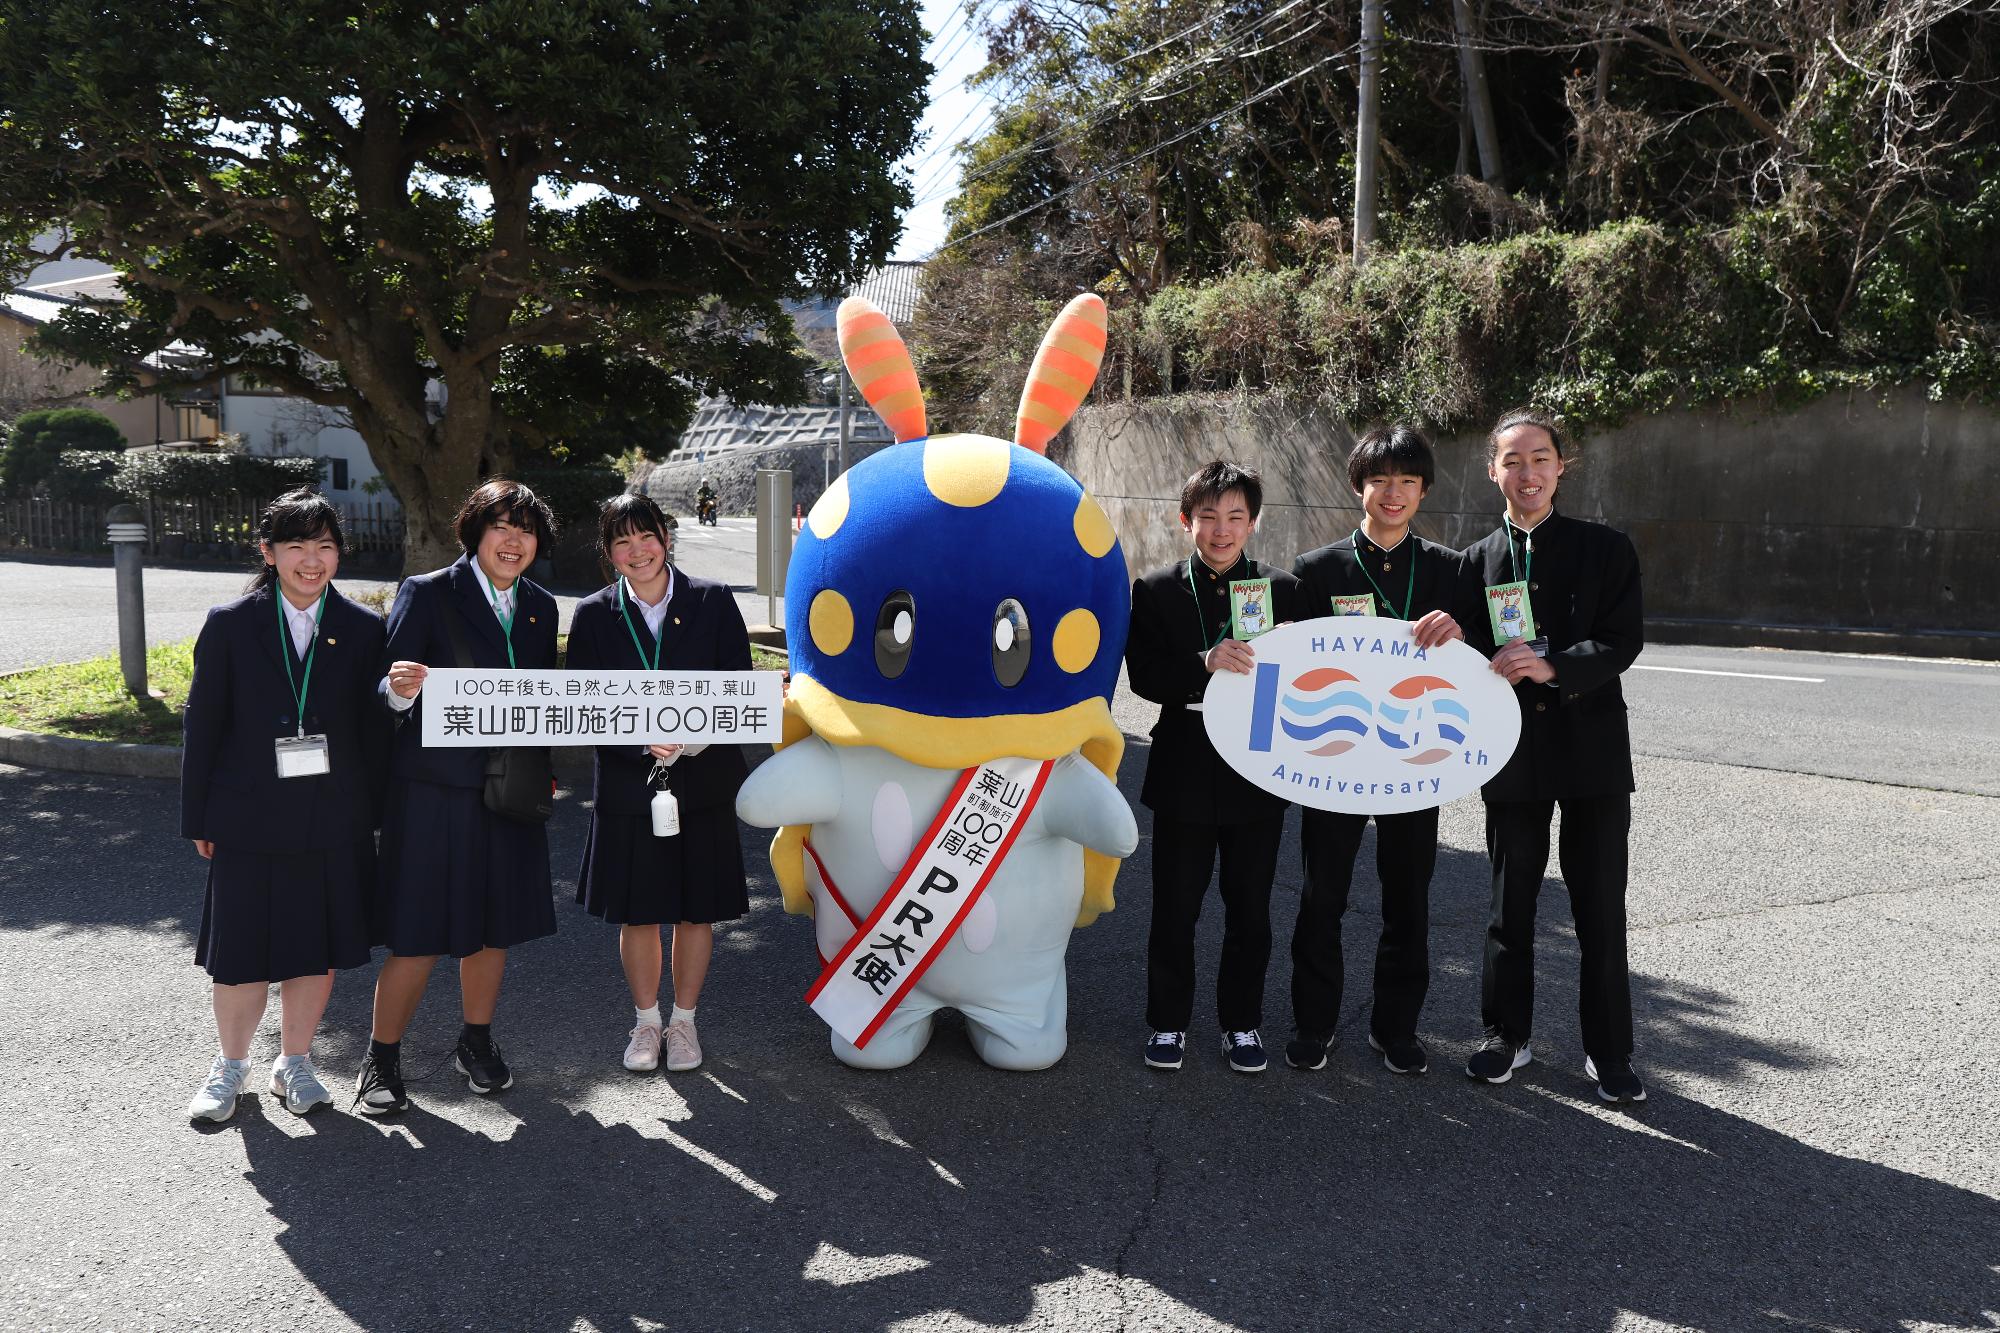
(98, 475)
(575, 493)
(1631, 318)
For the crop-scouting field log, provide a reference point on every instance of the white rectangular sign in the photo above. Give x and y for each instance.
(477, 707)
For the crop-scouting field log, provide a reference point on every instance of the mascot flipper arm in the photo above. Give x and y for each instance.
(792, 790)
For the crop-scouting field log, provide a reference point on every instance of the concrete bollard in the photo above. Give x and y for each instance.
(126, 529)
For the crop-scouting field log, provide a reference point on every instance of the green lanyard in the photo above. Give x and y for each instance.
(506, 621)
(285, 651)
(1514, 556)
(1409, 592)
(659, 641)
(1201, 626)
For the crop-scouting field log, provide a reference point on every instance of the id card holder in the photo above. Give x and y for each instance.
(1360, 604)
(302, 756)
(1250, 608)
(1509, 613)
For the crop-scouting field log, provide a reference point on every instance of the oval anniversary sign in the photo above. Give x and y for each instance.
(1347, 713)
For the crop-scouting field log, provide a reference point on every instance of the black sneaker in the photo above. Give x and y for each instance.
(379, 1089)
(1404, 1056)
(479, 1060)
(1497, 1058)
(1615, 1082)
(1245, 1051)
(1165, 1049)
(1307, 1051)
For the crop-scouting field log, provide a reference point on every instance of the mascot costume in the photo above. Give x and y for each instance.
(956, 610)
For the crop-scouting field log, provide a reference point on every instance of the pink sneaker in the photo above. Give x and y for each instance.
(683, 1047)
(642, 1053)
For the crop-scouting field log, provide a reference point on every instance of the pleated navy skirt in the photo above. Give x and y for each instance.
(272, 916)
(631, 878)
(457, 878)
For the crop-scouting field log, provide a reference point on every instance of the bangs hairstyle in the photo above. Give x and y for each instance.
(623, 515)
(299, 515)
(1218, 479)
(1527, 416)
(503, 501)
(1391, 451)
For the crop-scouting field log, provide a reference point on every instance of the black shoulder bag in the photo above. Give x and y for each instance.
(520, 779)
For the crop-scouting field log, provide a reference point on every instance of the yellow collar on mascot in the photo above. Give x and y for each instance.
(950, 743)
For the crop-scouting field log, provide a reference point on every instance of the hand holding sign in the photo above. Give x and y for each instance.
(1351, 713)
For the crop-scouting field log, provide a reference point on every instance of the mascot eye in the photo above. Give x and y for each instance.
(1010, 642)
(895, 631)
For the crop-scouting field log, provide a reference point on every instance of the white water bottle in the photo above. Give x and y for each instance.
(666, 814)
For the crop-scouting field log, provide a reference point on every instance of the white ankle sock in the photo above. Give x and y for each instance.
(287, 1061)
(648, 1018)
(683, 1015)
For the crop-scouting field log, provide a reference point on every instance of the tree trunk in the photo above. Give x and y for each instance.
(1478, 98)
(1367, 129)
(432, 473)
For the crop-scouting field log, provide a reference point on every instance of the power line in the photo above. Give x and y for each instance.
(1160, 147)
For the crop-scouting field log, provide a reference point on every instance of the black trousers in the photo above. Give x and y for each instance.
(1183, 855)
(1405, 856)
(1594, 861)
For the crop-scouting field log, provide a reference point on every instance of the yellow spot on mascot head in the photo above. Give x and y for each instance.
(831, 509)
(1075, 641)
(831, 622)
(965, 470)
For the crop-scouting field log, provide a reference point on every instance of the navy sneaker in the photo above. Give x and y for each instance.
(1245, 1051)
(1165, 1049)
(1615, 1081)
(478, 1058)
(1307, 1051)
(1404, 1056)
(1497, 1058)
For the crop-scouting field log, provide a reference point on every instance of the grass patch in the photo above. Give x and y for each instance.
(87, 700)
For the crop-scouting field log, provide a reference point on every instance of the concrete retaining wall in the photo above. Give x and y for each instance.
(1857, 521)
(734, 476)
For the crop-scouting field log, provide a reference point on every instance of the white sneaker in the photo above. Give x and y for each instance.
(642, 1053)
(683, 1047)
(217, 1099)
(299, 1085)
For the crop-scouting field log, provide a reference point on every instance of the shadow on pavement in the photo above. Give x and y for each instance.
(776, 1189)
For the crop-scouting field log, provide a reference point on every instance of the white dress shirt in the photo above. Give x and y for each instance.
(304, 624)
(503, 610)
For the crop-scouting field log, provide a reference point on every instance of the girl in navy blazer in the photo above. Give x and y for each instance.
(291, 859)
(655, 617)
(457, 878)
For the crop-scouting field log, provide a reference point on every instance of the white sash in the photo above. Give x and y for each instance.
(924, 907)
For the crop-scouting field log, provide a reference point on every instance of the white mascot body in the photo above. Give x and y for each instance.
(993, 602)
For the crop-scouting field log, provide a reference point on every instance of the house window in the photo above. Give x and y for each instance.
(338, 472)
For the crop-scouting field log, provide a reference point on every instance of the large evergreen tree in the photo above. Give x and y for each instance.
(563, 210)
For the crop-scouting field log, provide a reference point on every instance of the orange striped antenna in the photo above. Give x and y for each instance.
(1065, 367)
(881, 367)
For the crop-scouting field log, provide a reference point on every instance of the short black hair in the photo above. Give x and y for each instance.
(503, 501)
(1547, 422)
(1389, 451)
(623, 514)
(299, 515)
(1218, 479)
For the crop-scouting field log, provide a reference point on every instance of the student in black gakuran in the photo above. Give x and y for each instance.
(280, 789)
(1379, 569)
(1190, 620)
(636, 873)
(1563, 621)
(458, 877)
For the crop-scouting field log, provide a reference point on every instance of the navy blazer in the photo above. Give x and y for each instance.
(703, 631)
(418, 632)
(1584, 592)
(240, 703)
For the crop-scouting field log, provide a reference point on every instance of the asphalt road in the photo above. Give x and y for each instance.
(1813, 946)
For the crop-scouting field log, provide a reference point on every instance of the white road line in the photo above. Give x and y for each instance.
(1741, 675)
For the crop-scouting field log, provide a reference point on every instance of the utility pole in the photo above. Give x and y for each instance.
(1472, 70)
(840, 372)
(1367, 129)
